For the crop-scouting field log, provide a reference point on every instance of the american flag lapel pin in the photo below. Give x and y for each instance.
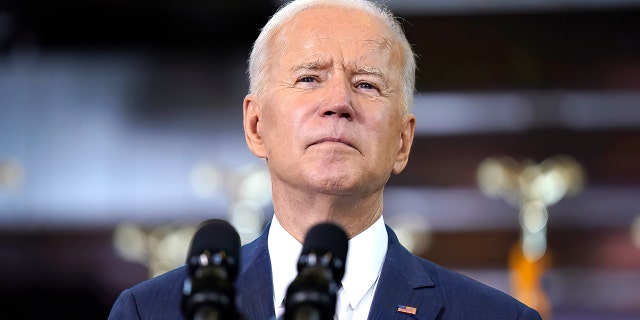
(407, 309)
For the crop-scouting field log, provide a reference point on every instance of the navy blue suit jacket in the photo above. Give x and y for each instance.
(435, 292)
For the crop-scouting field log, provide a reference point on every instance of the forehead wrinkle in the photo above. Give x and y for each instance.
(381, 43)
(320, 62)
(381, 46)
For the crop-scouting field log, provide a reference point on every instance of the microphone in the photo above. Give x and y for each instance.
(313, 293)
(208, 293)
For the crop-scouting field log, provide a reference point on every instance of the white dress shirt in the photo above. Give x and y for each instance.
(364, 262)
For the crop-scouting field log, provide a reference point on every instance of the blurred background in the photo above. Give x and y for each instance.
(120, 131)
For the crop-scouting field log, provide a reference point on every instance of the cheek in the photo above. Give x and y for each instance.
(280, 125)
(388, 132)
(292, 114)
(386, 119)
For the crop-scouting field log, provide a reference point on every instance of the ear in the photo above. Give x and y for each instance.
(406, 140)
(251, 115)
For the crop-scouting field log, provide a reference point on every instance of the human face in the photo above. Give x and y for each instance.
(331, 119)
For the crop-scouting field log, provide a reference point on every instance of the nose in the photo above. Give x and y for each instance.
(338, 99)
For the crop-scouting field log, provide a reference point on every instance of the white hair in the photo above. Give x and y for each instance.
(259, 58)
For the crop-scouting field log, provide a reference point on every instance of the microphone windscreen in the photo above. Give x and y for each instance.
(326, 237)
(216, 235)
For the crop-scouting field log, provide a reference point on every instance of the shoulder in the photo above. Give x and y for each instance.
(461, 296)
(454, 283)
(461, 293)
(162, 284)
(157, 298)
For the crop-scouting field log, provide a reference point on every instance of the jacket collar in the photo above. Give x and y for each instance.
(404, 282)
(254, 284)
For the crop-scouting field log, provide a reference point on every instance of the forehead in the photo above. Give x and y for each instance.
(354, 34)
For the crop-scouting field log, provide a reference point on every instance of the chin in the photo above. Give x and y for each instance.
(334, 186)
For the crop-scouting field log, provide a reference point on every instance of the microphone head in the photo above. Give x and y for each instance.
(214, 256)
(326, 238)
(214, 236)
(321, 266)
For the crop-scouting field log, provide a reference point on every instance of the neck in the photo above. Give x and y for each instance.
(298, 211)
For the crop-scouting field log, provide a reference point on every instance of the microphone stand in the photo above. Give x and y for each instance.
(307, 312)
(207, 313)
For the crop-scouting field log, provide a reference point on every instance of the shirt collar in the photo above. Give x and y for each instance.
(364, 261)
(284, 251)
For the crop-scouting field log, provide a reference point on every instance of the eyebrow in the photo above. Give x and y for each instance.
(370, 71)
(313, 65)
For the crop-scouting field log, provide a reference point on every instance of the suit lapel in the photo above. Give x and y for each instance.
(254, 284)
(404, 282)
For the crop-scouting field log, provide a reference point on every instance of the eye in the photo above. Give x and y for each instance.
(307, 79)
(366, 86)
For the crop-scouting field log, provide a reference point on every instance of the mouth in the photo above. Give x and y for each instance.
(334, 140)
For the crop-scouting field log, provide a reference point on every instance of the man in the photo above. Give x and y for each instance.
(331, 85)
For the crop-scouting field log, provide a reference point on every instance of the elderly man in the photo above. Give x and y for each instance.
(329, 109)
